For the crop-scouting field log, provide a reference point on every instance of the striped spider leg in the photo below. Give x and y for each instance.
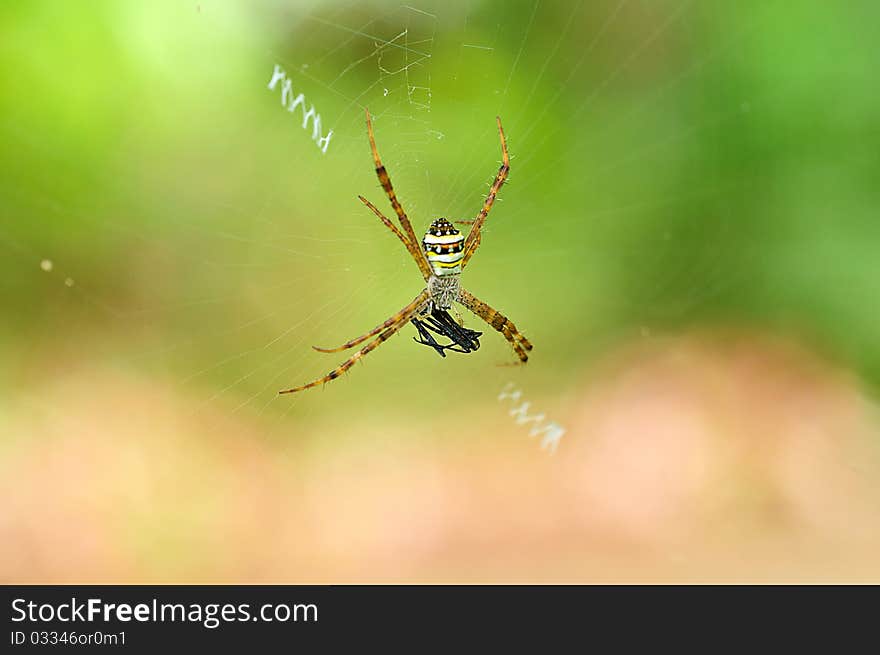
(498, 321)
(418, 303)
(408, 238)
(384, 330)
(491, 316)
(412, 248)
(474, 237)
(411, 242)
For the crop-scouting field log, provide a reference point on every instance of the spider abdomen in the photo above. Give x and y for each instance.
(444, 248)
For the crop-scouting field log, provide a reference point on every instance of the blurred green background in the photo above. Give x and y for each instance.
(173, 243)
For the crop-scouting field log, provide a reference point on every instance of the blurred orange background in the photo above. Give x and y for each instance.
(699, 458)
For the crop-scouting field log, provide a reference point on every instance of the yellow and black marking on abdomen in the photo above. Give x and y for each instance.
(444, 248)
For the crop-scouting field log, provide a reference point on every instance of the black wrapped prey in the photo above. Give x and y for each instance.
(462, 339)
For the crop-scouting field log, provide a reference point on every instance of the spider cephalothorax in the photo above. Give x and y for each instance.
(443, 255)
(444, 290)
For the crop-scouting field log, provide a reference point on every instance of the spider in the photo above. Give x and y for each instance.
(443, 255)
